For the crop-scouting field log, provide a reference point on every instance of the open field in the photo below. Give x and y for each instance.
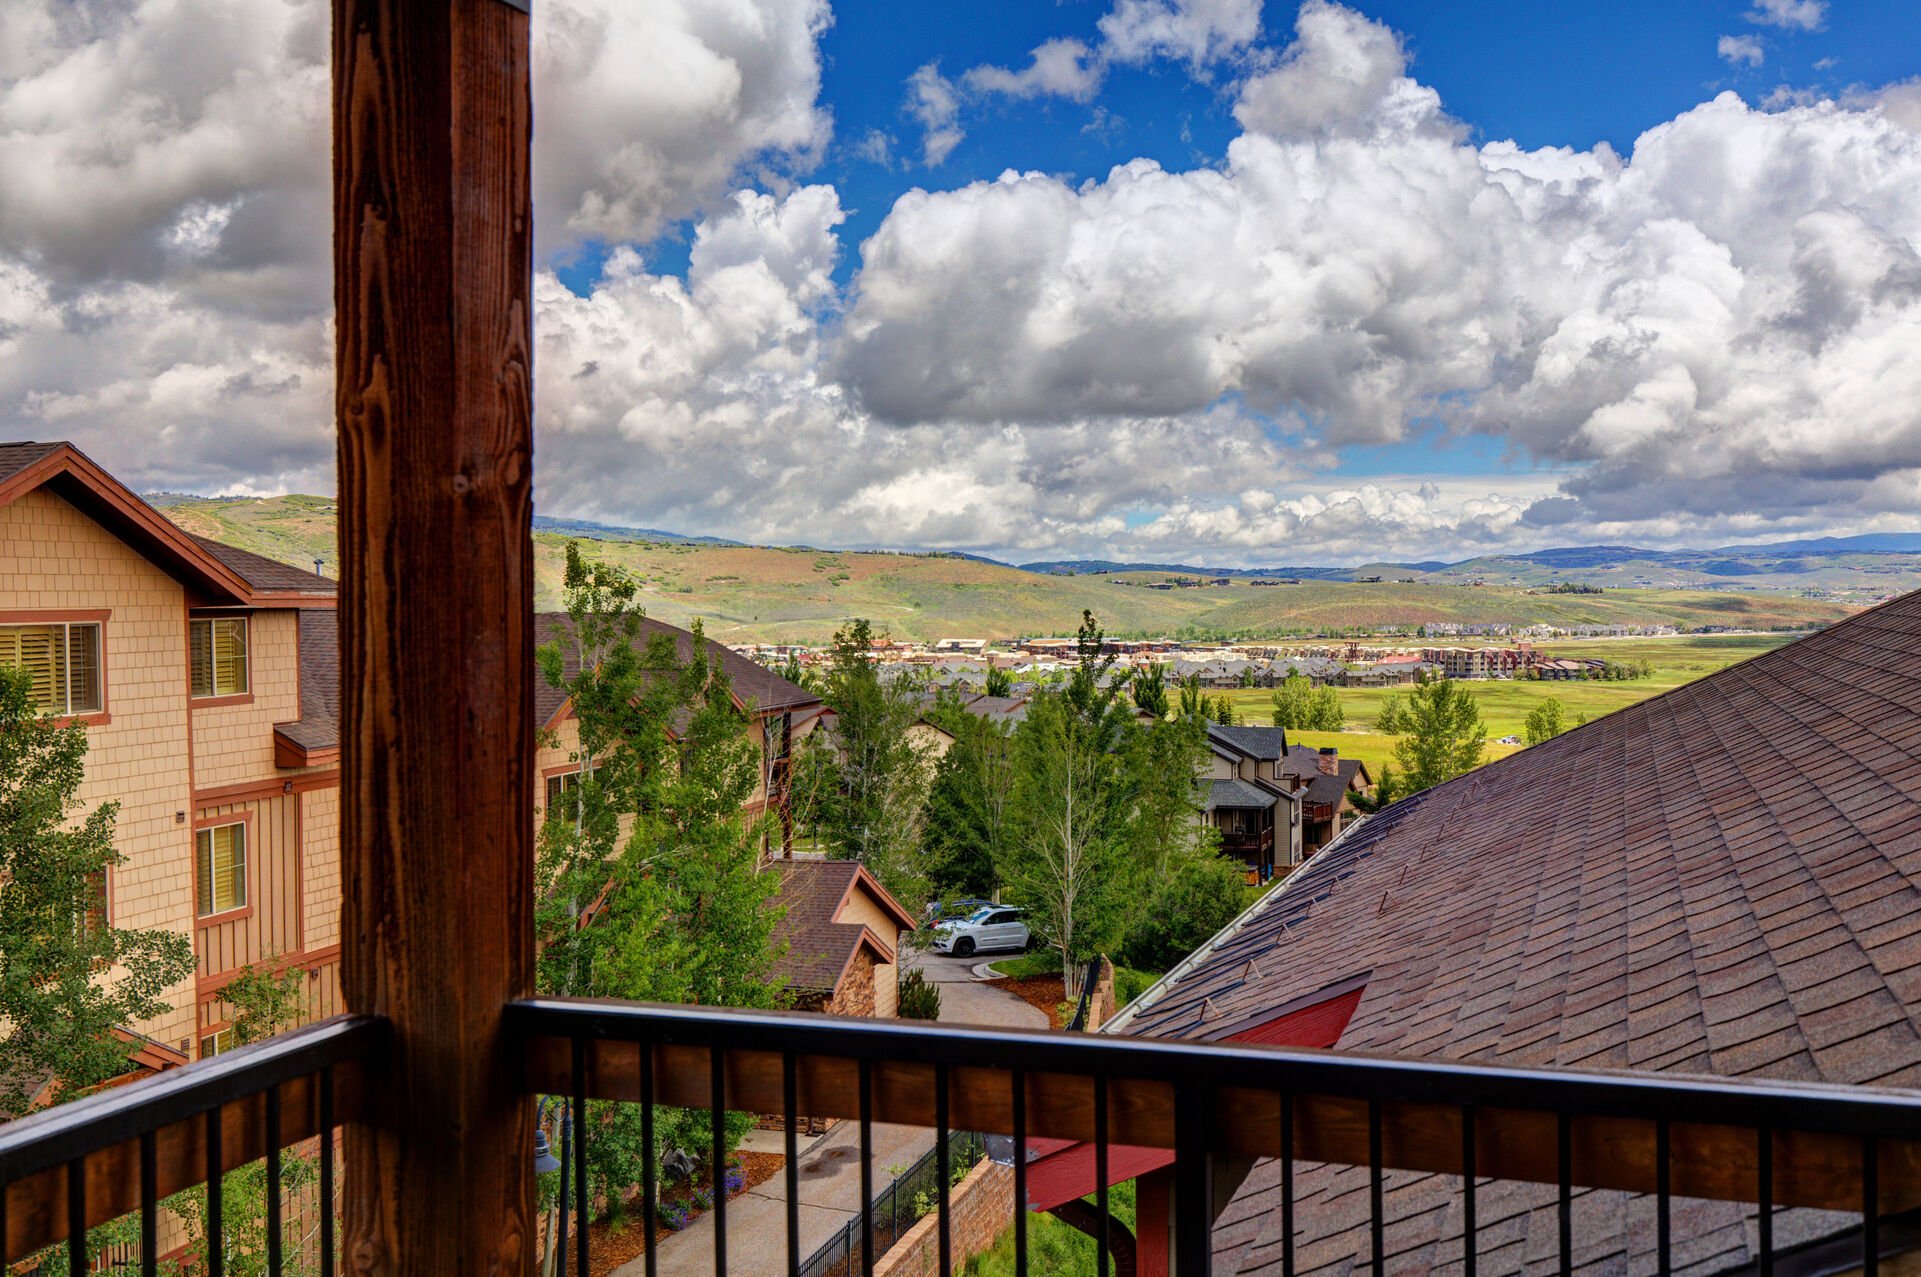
(765, 594)
(1505, 704)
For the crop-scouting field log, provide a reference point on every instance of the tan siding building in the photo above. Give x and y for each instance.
(79, 551)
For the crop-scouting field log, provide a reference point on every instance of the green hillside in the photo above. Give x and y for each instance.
(748, 593)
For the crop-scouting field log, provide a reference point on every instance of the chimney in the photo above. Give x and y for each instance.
(1330, 762)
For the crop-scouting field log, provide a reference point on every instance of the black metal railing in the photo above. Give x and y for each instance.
(123, 1151)
(1218, 1105)
(897, 1208)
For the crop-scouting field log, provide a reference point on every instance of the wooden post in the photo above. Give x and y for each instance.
(432, 287)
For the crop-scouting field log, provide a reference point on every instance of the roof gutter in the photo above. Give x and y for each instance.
(1155, 991)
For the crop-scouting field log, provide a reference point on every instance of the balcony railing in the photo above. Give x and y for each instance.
(123, 1151)
(1855, 1150)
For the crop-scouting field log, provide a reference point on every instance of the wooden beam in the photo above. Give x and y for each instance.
(432, 286)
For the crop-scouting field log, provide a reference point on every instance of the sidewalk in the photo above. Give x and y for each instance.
(757, 1219)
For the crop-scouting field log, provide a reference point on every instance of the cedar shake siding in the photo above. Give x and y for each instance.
(76, 544)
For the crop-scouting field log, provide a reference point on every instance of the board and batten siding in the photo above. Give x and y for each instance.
(270, 925)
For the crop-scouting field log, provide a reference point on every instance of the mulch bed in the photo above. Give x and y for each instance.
(613, 1243)
(1042, 992)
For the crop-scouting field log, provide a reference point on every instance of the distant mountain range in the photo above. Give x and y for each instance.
(1822, 563)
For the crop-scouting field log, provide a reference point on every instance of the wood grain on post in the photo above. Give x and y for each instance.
(432, 287)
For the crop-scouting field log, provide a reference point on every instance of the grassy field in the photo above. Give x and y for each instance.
(1505, 704)
(770, 594)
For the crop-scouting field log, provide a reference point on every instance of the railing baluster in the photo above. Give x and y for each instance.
(1564, 1155)
(149, 1205)
(649, 1176)
(942, 1169)
(563, 1205)
(216, 1196)
(579, 1116)
(1870, 1207)
(789, 1087)
(1019, 1083)
(77, 1217)
(1376, 1216)
(1193, 1181)
(327, 1171)
(1468, 1248)
(1764, 1195)
(867, 1169)
(1287, 1185)
(275, 1259)
(717, 1116)
(1103, 1242)
(1663, 1217)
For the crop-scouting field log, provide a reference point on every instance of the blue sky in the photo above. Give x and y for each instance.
(1289, 282)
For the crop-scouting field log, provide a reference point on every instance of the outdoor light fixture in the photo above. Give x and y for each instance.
(544, 1159)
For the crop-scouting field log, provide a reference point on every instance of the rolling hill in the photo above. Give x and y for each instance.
(771, 594)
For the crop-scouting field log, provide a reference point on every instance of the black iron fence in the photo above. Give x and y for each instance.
(908, 1199)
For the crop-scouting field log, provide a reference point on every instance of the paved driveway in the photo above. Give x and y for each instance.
(964, 999)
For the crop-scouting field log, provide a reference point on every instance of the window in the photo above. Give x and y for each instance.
(216, 1042)
(219, 653)
(95, 920)
(63, 660)
(221, 858)
(558, 787)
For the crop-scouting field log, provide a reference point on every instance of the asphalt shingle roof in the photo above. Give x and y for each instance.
(1255, 742)
(818, 947)
(1724, 879)
(1238, 793)
(15, 457)
(265, 574)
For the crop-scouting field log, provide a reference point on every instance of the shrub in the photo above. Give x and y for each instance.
(1200, 898)
(919, 997)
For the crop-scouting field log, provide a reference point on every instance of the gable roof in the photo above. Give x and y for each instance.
(753, 684)
(71, 475)
(1253, 742)
(271, 577)
(1724, 879)
(821, 947)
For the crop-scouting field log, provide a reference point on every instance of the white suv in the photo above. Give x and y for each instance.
(988, 927)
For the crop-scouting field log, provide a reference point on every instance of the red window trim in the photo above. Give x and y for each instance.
(252, 871)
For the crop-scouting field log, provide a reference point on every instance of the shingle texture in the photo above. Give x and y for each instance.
(265, 574)
(319, 723)
(15, 457)
(818, 947)
(1255, 742)
(754, 684)
(1719, 880)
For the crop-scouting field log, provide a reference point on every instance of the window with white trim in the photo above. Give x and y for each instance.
(62, 658)
(217, 646)
(220, 853)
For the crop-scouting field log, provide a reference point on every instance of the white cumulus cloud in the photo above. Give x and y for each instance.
(1741, 50)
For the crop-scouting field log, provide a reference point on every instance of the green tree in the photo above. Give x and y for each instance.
(265, 1003)
(1193, 701)
(1545, 721)
(650, 882)
(872, 813)
(1441, 733)
(1069, 852)
(1221, 710)
(67, 979)
(1168, 757)
(1201, 896)
(999, 682)
(964, 831)
(1149, 688)
(1300, 706)
(1387, 787)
